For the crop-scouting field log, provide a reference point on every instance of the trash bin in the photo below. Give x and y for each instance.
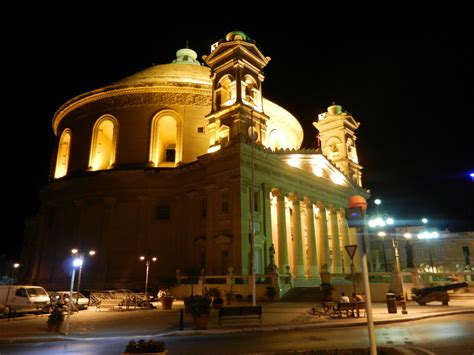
(391, 303)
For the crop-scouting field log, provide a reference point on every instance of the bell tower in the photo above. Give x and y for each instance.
(236, 72)
(338, 141)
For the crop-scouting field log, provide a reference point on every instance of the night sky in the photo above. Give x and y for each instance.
(404, 73)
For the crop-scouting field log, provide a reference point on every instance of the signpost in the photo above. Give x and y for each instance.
(357, 206)
(351, 249)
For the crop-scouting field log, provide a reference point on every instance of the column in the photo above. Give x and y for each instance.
(344, 231)
(311, 238)
(336, 245)
(298, 263)
(323, 236)
(267, 223)
(281, 221)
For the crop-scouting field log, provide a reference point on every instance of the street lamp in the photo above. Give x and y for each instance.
(399, 274)
(428, 235)
(75, 263)
(15, 268)
(380, 222)
(81, 256)
(382, 234)
(147, 260)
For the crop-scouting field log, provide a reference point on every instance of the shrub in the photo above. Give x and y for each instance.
(198, 304)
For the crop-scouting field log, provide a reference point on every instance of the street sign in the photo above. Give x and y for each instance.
(351, 250)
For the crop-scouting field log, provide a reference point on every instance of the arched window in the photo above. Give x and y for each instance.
(104, 140)
(225, 92)
(62, 159)
(251, 93)
(166, 139)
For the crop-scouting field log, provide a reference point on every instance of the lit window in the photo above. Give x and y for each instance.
(62, 160)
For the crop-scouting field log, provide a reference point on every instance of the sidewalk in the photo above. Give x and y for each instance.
(156, 322)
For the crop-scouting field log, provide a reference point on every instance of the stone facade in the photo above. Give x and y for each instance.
(155, 164)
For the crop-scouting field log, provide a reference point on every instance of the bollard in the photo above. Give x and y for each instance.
(181, 327)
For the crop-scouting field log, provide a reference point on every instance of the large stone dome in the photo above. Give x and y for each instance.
(185, 77)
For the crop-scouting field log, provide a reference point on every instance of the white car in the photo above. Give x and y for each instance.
(80, 301)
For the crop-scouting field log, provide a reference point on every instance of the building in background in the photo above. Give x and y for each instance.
(448, 252)
(164, 162)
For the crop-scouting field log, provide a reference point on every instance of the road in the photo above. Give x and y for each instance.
(442, 335)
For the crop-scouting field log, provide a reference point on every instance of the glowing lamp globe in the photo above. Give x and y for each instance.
(357, 201)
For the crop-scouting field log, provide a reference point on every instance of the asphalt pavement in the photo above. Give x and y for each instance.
(91, 324)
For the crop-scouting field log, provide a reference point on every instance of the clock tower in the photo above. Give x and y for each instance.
(236, 72)
(338, 141)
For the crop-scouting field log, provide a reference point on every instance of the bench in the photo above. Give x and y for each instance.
(240, 313)
(350, 309)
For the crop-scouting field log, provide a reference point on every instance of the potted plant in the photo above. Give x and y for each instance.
(200, 308)
(328, 298)
(141, 346)
(55, 320)
(166, 299)
(217, 300)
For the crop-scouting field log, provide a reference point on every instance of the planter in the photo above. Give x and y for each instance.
(200, 321)
(167, 302)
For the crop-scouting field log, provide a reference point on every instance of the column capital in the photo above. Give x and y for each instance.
(307, 201)
(320, 205)
(277, 192)
(293, 197)
(342, 212)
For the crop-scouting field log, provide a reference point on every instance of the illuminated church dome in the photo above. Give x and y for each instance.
(178, 95)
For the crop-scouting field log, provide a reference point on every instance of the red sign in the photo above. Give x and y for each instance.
(351, 250)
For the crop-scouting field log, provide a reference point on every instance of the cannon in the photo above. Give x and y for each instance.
(436, 293)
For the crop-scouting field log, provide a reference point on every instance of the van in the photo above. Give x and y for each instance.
(23, 299)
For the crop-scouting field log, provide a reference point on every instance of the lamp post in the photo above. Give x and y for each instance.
(147, 261)
(428, 235)
(382, 234)
(75, 263)
(399, 274)
(386, 222)
(15, 268)
(379, 223)
(81, 256)
(355, 215)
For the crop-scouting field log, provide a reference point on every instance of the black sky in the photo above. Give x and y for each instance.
(405, 73)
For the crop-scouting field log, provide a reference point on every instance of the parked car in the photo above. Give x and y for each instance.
(80, 301)
(23, 299)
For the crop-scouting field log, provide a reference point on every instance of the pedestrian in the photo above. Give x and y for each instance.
(344, 298)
